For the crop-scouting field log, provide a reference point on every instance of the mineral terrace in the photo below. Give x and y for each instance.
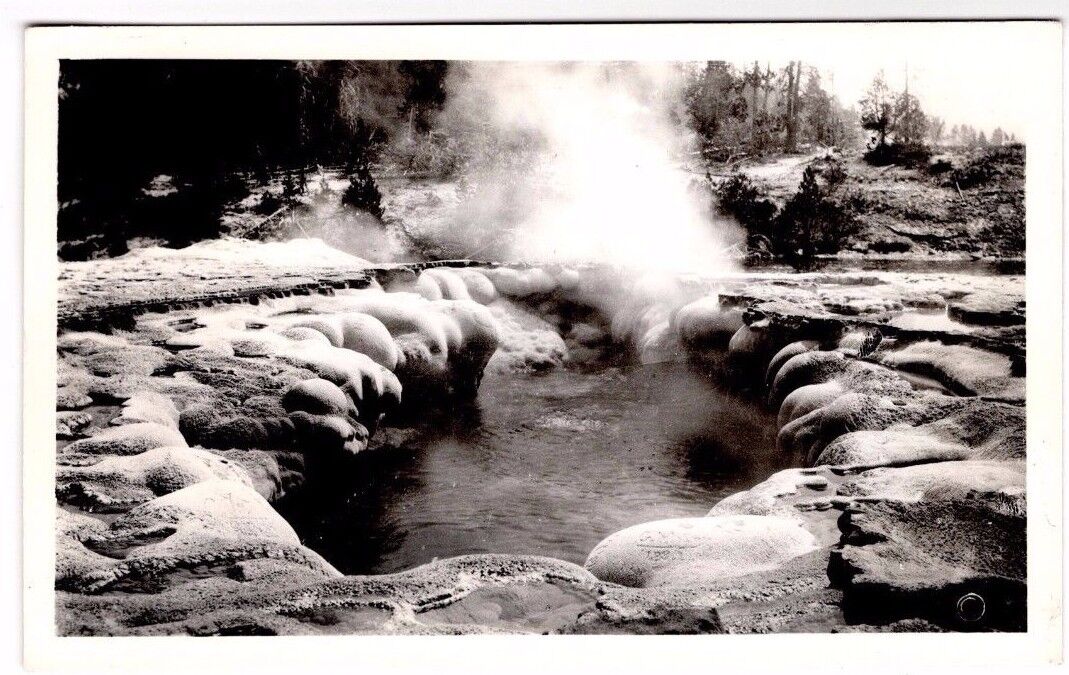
(197, 386)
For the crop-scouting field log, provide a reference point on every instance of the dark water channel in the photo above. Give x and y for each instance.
(544, 464)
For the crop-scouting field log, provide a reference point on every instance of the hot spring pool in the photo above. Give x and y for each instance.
(545, 464)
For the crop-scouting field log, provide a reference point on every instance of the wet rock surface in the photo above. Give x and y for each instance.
(900, 395)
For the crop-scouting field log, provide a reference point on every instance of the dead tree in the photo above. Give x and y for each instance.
(794, 76)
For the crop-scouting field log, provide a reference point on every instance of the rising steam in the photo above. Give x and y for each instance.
(579, 162)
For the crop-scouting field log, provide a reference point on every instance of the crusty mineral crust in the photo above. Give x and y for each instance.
(864, 398)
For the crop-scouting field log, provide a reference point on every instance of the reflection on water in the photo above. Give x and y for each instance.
(543, 464)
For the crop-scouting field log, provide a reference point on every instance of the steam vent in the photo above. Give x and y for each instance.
(205, 391)
(541, 347)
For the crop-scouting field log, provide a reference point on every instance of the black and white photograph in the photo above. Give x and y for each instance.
(724, 337)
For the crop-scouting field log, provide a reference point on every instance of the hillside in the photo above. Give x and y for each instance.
(963, 204)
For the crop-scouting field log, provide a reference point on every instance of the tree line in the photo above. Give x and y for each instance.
(902, 132)
(213, 127)
(759, 110)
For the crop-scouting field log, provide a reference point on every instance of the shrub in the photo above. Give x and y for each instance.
(940, 165)
(989, 164)
(292, 185)
(362, 192)
(912, 154)
(739, 197)
(268, 204)
(889, 246)
(833, 173)
(432, 154)
(814, 220)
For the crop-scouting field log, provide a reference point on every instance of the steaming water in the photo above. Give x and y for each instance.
(542, 464)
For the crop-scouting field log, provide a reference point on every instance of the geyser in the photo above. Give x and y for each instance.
(580, 162)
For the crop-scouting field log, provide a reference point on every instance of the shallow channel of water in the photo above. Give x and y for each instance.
(545, 464)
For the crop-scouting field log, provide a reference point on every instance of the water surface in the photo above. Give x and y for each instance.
(543, 464)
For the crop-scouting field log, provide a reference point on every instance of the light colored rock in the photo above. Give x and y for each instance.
(527, 342)
(988, 308)
(816, 367)
(69, 423)
(212, 509)
(111, 355)
(319, 397)
(372, 387)
(325, 419)
(782, 356)
(329, 326)
(810, 434)
(521, 283)
(964, 369)
(687, 552)
(427, 287)
(263, 469)
(765, 498)
(72, 397)
(128, 439)
(148, 406)
(940, 481)
(300, 333)
(365, 334)
(890, 447)
(73, 560)
(705, 323)
(405, 314)
(117, 482)
(479, 333)
(449, 282)
(480, 288)
(806, 399)
(210, 523)
(960, 429)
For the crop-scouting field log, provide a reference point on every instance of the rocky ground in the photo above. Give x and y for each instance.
(961, 204)
(196, 387)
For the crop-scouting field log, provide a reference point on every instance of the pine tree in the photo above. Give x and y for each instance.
(362, 193)
(935, 130)
(911, 124)
(796, 226)
(878, 111)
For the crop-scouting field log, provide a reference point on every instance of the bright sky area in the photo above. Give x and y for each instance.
(964, 73)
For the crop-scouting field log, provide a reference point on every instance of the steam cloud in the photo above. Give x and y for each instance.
(580, 162)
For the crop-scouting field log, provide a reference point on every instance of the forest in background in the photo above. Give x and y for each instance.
(156, 151)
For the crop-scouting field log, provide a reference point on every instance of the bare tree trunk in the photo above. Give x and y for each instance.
(794, 75)
(754, 82)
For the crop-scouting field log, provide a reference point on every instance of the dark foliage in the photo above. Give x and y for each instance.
(987, 165)
(269, 203)
(814, 220)
(818, 218)
(939, 166)
(362, 192)
(889, 246)
(739, 198)
(124, 122)
(902, 154)
(833, 172)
